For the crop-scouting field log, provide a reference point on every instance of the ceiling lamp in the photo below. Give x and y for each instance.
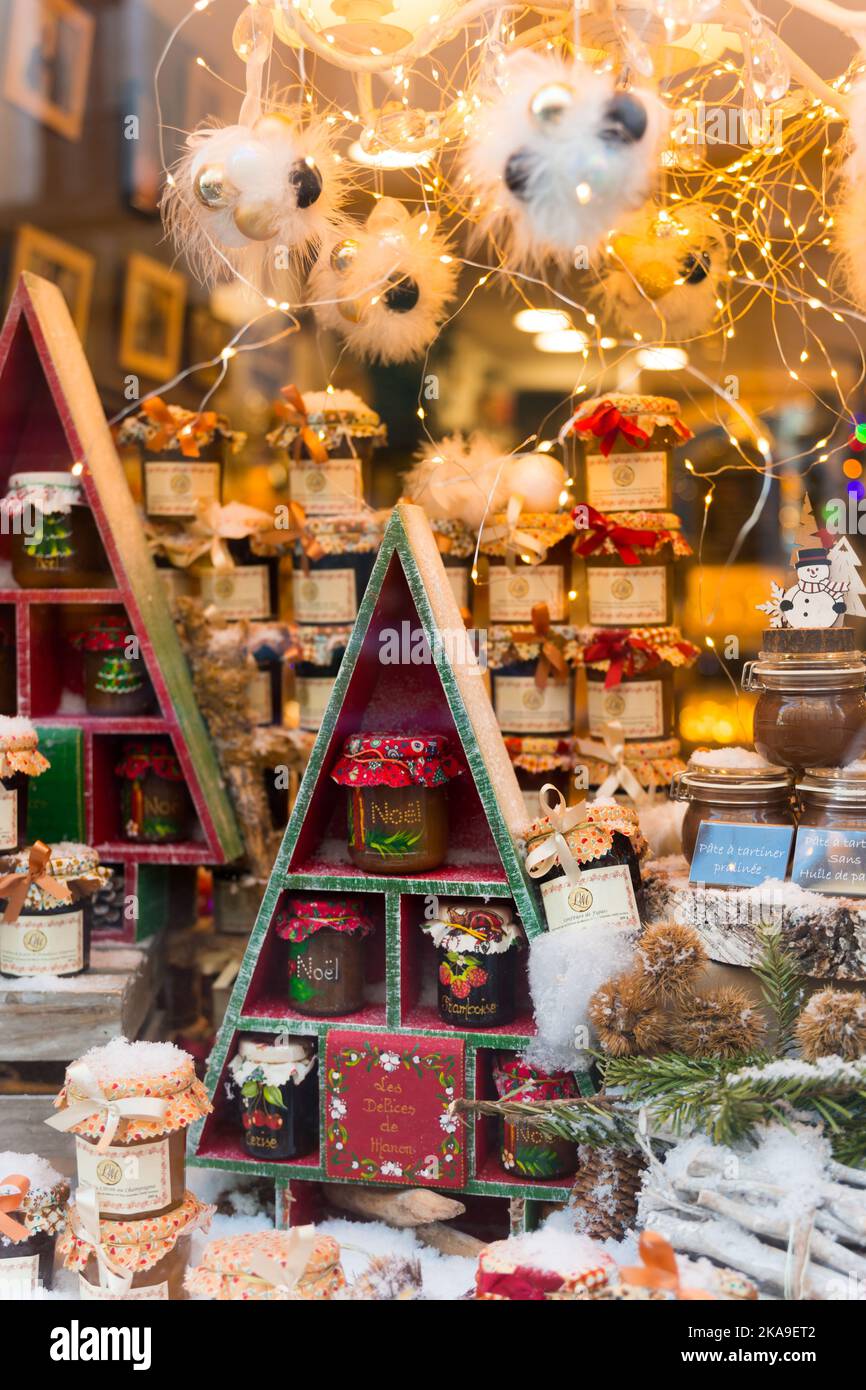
(362, 26)
(541, 320)
(562, 340)
(662, 359)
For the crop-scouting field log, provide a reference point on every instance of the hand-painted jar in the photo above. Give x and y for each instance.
(477, 948)
(833, 798)
(115, 676)
(811, 708)
(33, 1198)
(328, 439)
(55, 543)
(20, 760)
(397, 800)
(332, 565)
(300, 1264)
(629, 558)
(627, 442)
(630, 679)
(532, 678)
(538, 761)
(131, 1261)
(129, 1105)
(598, 879)
(732, 786)
(277, 1089)
(322, 651)
(326, 940)
(155, 802)
(183, 457)
(525, 1151)
(47, 917)
(529, 563)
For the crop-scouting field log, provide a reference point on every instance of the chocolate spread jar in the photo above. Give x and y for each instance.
(327, 954)
(277, 1089)
(752, 792)
(811, 709)
(833, 798)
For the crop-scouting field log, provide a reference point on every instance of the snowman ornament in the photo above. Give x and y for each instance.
(815, 600)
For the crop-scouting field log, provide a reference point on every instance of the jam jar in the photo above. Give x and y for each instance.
(277, 1086)
(265, 688)
(642, 703)
(327, 949)
(630, 558)
(47, 935)
(249, 589)
(733, 786)
(183, 457)
(141, 1172)
(155, 803)
(627, 445)
(397, 800)
(456, 544)
(517, 584)
(606, 843)
(537, 762)
(811, 708)
(33, 1198)
(525, 1152)
(332, 565)
(321, 652)
(328, 439)
(477, 947)
(20, 760)
(523, 706)
(144, 1259)
(55, 541)
(230, 1269)
(115, 676)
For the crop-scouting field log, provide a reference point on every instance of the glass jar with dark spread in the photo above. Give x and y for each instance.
(49, 928)
(277, 1087)
(115, 676)
(630, 558)
(327, 954)
(155, 802)
(627, 443)
(55, 543)
(328, 439)
(600, 879)
(141, 1259)
(332, 565)
(249, 588)
(833, 798)
(537, 762)
(33, 1198)
(477, 948)
(525, 1152)
(811, 708)
(397, 800)
(20, 760)
(757, 794)
(183, 457)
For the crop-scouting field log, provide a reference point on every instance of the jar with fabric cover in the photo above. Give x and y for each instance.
(55, 542)
(627, 443)
(33, 1199)
(525, 1152)
(20, 760)
(586, 861)
(537, 761)
(477, 945)
(529, 563)
(532, 677)
(46, 894)
(155, 802)
(327, 954)
(127, 1260)
(397, 800)
(115, 682)
(276, 1087)
(630, 678)
(321, 652)
(300, 1264)
(327, 439)
(332, 564)
(732, 786)
(811, 707)
(129, 1105)
(630, 772)
(629, 559)
(183, 454)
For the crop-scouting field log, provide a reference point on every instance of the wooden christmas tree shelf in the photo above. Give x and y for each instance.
(486, 812)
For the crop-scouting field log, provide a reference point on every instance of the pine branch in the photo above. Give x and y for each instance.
(782, 986)
(598, 1121)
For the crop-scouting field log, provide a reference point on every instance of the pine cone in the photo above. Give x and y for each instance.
(833, 1024)
(670, 957)
(605, 1192)
(626, 1023)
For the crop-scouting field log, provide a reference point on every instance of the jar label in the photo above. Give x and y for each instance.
(43, 944)
(637, 705)
(515, 590)
(521, 708)
(126, 1179)
(324, 596)
(326, 489)
(19, 1277)
(177, 583)
(243, 592)
(626, 597)
(627, 482)
(8, 818)
(602, 896)
(458, 578)
(313, 694)
(93, 1293)
(260, 698)
(183, 488)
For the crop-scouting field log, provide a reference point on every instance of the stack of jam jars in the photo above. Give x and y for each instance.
(274, 1085)
(532, 673)
(33, 1199)
(129, 1104)
(586, 861)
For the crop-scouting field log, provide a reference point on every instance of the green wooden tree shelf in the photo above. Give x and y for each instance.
(408, 591)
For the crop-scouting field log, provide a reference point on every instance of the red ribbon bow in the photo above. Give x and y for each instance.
(521, 1283)
(606, 422)
(619, 649)
(623, 538)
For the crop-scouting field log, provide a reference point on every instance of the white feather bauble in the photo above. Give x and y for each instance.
(555, 155)
(388, 297)
(664, 273)
(459, 479)
(538, 479)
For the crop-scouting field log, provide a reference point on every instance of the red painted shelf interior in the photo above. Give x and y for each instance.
(491, 1170)
(332, 859)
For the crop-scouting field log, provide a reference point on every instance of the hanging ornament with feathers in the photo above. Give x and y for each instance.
(384, 286)
(459, 479)
(665, 271)
(257, 197)
(555, 155)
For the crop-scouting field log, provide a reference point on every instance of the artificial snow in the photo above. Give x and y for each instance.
(15, 726)
(662, 824)
(38, 1171)
(121, 1059)
(566, 967)
(729, 759)
(556, 1249)
(334, 402)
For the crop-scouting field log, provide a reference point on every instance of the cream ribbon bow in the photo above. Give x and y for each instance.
(554, 848)
(80, 1078)
(517, 542)
(112, 1276)
(612, 751)
(285, 1277)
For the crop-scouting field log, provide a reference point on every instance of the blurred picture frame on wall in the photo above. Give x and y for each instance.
(47, 64)
(67, 266)
(151, 326)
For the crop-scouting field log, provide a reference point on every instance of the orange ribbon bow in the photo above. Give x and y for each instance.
(169, 426)
(659, 1269)
(11, 1201)
(550, 655)
(294, 412)
(15, 887)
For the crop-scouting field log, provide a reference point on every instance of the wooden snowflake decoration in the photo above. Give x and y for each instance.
(773, 605)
